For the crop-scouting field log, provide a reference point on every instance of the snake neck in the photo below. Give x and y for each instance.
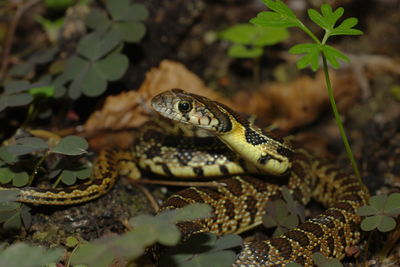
(271, 155)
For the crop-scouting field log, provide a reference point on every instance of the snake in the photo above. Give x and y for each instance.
(254, 167)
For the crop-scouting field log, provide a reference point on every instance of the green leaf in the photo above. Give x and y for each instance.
(280, 8)
(318, 19)
(58, 84)
(92, 255)
(71, 145)
(386, 224)
(44, 56)
(112, 67)
(293, 264)
(332, 54)
(25, 255)
(9, 206)
(71, 241)
(281, 210)
(201, 250)
(272, 19)
(227, 242)
(6, 215)
(17, 100)
(8, 195)
(137, 12)
(88, 46)
(322, 261)
(318, 258)
(58, 4)
(6, 175)
(16, 86)
(248, 34)
(75, 88)
(51, 27)
(68, 177)
(131, 31)
(98, 20)
(26, 145)
(370, 223)
(22, 69)
(312, 55)
(218, 259)
(118, 8)
(44, 91)
(366, 211)
(93, 46)
(240, 33)
(290, 221)
(269, 221)
(192, 212)
(73, 67)
(20, 179)
(26, 217)
(270, 36)
(93, 84)
(84, 172)
(378, 202)
(303, 48)
(330, 16)
(240, 51)
(392, 206)
(163, 231)
(7, 156)
(13, 222)
(345, 28)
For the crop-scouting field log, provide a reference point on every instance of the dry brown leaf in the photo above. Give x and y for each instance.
(299, 102)
(132, 109)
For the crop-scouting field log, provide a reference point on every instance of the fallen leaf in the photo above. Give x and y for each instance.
(299, 102)
(131, 109)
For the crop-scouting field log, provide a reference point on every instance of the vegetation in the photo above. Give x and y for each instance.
(282, 16)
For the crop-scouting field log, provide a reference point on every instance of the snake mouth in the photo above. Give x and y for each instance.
(165, 103)
(162, 103)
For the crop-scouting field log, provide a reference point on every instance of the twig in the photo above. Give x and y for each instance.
(10, 37)
(149, 196)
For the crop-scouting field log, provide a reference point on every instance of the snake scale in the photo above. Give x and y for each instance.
(255, 164)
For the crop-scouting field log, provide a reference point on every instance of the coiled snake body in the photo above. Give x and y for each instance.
(239, 201)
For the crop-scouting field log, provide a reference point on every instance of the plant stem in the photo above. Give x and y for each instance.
(367, 247)
(56, 182)
(37, 165)
(340, 123)
(394, 236)
(5, 59)
(309, 33)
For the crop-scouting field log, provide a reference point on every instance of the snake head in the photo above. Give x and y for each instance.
(188, 108)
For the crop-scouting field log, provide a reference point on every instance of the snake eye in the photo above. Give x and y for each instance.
(184, 106)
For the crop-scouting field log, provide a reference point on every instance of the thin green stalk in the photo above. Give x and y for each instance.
(339, 122)
(57, 181)
(36, 168)
(367, 247)
(309, 33)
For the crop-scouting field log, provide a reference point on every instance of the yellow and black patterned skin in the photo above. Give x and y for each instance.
(238, 200)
